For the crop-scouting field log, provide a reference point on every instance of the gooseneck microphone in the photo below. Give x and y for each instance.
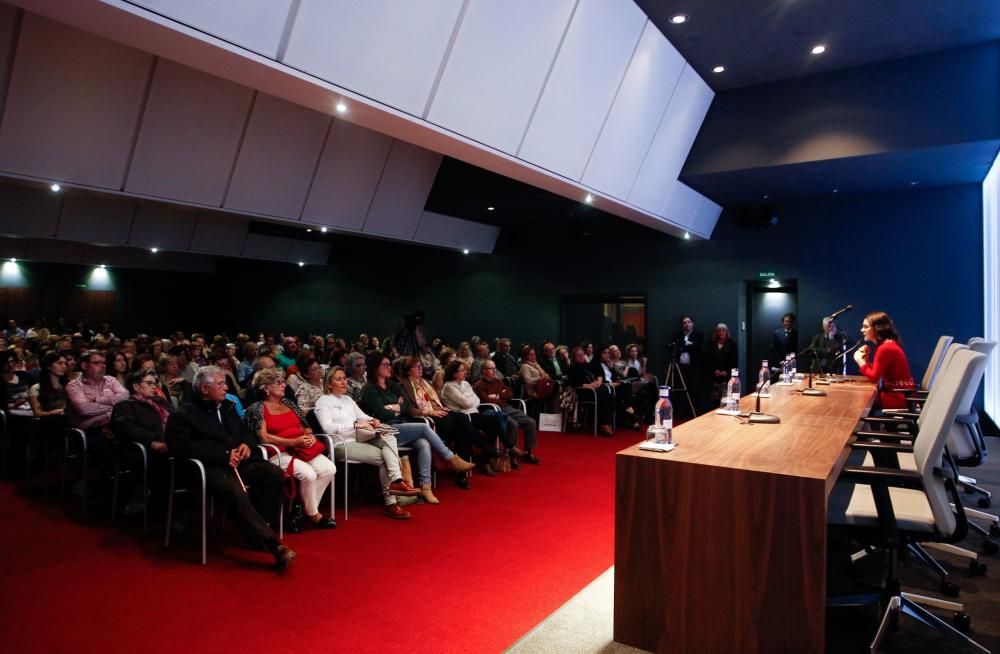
(859, 343)
(812, 392)
(762, 418)
(833, 316)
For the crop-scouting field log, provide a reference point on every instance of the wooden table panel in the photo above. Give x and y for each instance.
(720, 545)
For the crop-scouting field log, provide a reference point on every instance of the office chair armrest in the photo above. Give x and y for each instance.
(865, 436)
(883, 477)
(888, 420)
(897, 413)
(524, 406)
(488, 405)
(881, 447)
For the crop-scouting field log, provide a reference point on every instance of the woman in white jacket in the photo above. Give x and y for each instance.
(457, 395)
(338, 414)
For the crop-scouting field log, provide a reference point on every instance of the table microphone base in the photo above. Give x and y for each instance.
(763, 418)
(815, 392)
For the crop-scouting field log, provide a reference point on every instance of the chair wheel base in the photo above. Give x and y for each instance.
(949, 588)
(995, 530)
(977, 568)
(962, 622)
(985, 502)
(990, 546)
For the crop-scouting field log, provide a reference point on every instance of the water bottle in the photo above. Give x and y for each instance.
(791, 367)
(664, 420)
(733, 391)
(784, 370)
(764, 378)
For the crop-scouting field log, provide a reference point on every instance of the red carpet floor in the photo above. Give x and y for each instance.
(472, 574)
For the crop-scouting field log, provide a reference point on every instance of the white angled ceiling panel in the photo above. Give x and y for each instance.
(162, 226)
(438, 229)
(189, 137)
(72, 105)
(478, 237)
(215, 234)
(277, 159)
(347, 176)
(94, 255)
(677, 131)
(94, 219)
(582, 86)
(402, 191)
(496, 70)
(28, 211)
(705, 217)
(254, 24)
(262, 246)
(635, 116)
(384, 49)
(309, 253)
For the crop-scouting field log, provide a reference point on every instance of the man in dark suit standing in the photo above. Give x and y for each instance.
(686, 348)
(785, 341)
(209, 429)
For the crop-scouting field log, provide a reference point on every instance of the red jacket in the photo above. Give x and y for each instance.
(892, 369)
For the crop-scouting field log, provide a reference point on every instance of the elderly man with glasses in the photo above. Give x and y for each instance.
(209, 429)
(491, 389)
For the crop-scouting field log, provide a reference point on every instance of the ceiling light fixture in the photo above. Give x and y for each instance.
(154, 250)
(589, 199)
(13, 260)
(836, 190)
(914, 183)
(102, 266)
(323, 229)
(687, 235)
(819, 49)
(465, 250)
(719, 69)
(489, 208)
(679, 19)
(341, 108)
(55, 188)
(308, 229)
(302, 264)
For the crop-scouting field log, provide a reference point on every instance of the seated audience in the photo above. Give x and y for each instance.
(173, 386)
(385, 400)
(507, 365)
(90, 400)
(492, 390)
(339, 414)
(118, 367)
(446, 356)
(531, 372)
(581, 375)
(624, 400)
(15, 382)
(208, 429)
(465, 354)
(48, 396)
(245, 369)
(550, 363)
(482, 356)
(278, 421)
(311, 385)
(357, 375)
(459, 397)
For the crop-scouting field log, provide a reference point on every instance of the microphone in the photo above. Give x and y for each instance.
(861, 341)
(834, 315)
(812, 392)
(762, 418)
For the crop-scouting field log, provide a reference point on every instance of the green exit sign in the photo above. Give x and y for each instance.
(765, 274)
(81, 286)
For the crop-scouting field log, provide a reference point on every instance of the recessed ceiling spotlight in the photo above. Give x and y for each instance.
(13, 260)
(687, 235)
(914, 183)
(154, 250)
(308, 229)
(302, 264)
(465, 250)
(679, 19)
(836, 190)
(323, 229)
(341, 108)
(819, 49)
(719, 69)
(102, 266)
(490, 208)
(55, 188)
(766, 196)
(589, 199)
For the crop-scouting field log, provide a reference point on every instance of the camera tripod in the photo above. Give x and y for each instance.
(674, 375)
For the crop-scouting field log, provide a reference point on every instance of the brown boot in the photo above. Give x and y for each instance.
(428, 494)
(458, 464)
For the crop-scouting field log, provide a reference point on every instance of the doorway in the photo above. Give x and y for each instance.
(604, 319)
(767, 301)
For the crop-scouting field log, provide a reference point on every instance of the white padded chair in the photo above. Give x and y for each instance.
(890, 508)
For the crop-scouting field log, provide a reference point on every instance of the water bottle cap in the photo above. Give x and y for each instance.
(664, 391)
(736, 372)
(763, 364)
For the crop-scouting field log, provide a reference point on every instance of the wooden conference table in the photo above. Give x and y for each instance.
(720, 545)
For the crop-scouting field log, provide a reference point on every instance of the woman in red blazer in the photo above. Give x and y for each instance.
(889, 366)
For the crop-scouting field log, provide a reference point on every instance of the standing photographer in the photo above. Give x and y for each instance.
(686, 349)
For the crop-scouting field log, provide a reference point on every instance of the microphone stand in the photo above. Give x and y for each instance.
(812, 392)
(859, 342)
(756, 417)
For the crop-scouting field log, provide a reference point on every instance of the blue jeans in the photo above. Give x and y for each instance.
(422, 438)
